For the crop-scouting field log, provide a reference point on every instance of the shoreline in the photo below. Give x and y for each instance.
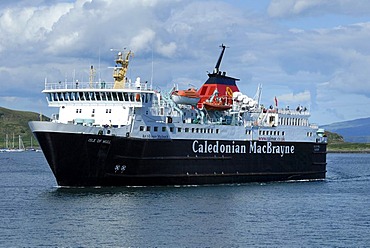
(348, 151)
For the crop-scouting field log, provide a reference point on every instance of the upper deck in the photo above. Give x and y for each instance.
(95, 86)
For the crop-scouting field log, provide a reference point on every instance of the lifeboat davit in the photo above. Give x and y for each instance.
(187, 97)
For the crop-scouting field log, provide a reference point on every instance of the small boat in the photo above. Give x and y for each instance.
(187, 97)
(214, 106)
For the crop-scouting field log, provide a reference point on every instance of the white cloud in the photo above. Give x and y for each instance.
(167, 50)
(53, 39)
(142, 40)
(287, 8)
(20, 26)
(298, 98)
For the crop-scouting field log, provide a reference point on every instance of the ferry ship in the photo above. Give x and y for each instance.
(125, 133)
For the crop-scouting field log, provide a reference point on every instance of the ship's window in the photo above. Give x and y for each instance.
(59, 97)
(81, 95)
(192, 130)
(97, 96)
(141, 128)
(146, 97)
(114, 95)
(92, 96)
(131, 97)
(163, 129)
(155, 129)
(93, 110)
(171, 129)
(125, 96)
(217, 131)
(148, 128)
(186, 130)
(104, 96)
(283, 133)
(179, 129)
(120, 96)
(109, 96)
(197, 130)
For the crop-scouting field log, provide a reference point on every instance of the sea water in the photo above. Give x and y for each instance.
(331, 213)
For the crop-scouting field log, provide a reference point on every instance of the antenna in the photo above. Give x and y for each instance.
(151, 77)
(99, 67)
(217, 67)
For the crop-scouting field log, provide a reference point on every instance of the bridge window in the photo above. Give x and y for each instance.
(120, 96)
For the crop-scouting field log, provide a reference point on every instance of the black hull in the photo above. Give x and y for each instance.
(93, 160)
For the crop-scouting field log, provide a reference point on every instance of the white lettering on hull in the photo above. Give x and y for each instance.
(217, 147)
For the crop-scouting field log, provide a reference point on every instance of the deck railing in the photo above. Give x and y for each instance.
(94, 85)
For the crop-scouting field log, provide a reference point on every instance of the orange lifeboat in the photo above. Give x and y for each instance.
(187, 97)
(219, 105)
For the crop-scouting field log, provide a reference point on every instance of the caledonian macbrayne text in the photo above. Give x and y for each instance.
(254, 147)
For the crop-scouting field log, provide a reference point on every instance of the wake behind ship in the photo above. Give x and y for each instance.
(125, 133)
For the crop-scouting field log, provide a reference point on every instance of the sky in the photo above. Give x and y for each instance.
(314, 53)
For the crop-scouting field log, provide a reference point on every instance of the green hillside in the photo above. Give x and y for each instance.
(337, 144)
(15, 123)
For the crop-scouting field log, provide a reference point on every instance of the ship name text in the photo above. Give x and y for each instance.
(254, 147)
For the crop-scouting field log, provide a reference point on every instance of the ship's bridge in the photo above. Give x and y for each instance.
(98, 103)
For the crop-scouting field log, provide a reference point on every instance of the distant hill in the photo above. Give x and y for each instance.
(14, 123)
(357, 131)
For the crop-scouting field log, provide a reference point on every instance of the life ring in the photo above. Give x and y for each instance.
(229, 91)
